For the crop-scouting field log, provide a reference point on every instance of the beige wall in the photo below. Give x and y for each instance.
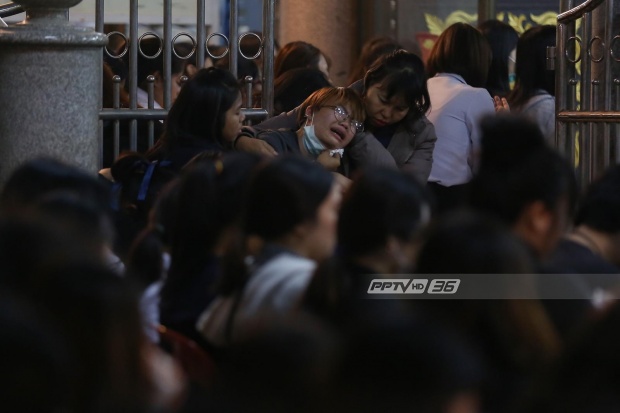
(329, 25)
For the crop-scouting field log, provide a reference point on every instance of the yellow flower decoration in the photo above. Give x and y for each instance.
(548, 17)
(434, 24)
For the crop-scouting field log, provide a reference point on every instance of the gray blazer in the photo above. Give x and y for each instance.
(412, 144)
(413, 149)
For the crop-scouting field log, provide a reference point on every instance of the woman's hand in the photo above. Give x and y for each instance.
(329, 162)
(342, 181)
(501, 104)
(246, 144)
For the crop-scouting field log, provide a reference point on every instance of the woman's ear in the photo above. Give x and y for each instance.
(309, 110)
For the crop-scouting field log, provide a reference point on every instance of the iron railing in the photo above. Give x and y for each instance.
(588, 88)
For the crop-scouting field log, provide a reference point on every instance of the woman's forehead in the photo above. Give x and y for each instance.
(396, 98)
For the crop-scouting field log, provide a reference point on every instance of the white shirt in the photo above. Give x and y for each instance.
(540, 108)
(142, 98)
(275, 288)
(456, 111)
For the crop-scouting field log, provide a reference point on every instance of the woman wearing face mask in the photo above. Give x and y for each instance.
(327, 120)
(396, 132)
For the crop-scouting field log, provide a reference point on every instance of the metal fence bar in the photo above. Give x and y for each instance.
(591, 125)
(117, 132)
(617, 125)
(269, 12)
(133, 70)
(99, 15)
(233, 37)
(10, 9)
(577, 12)
(581, 117)
(201, 33)
(132, 115)
(167, 50)
(129, 114)
(585, 144)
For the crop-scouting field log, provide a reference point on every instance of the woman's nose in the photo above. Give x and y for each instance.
(386, 112)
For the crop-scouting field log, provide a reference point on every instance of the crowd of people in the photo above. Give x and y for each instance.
(256, 246)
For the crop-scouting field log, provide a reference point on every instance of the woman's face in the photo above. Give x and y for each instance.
(334, 134)
(233, 120)
(381, 111)
(321, 236)
(323, 67)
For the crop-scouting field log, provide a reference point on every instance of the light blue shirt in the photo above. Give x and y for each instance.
(456, 111)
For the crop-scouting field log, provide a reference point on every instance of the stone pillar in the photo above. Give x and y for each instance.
(50, 88)
(329, 25)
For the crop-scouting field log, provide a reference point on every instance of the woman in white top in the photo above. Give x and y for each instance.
(289, 226)
(533, 95)
(457, 67)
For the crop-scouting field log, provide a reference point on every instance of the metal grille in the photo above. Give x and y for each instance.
(588, 87)
(200, 47)
(200, 44)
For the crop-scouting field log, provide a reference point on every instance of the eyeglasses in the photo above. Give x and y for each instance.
(342, 115)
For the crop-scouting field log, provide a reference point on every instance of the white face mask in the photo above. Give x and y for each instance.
(312, 144)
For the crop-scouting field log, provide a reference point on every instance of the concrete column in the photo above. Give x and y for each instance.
(50, 88)
(329, 25)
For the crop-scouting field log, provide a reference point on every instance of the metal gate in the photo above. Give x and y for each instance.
(587, 67)
(200, 43)
(200, 48)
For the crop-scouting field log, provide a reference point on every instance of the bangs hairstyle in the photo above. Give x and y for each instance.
(401, 74)
(334, 96)
(461, 49)
(199, 111)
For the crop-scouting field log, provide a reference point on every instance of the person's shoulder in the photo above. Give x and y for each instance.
(542, 99)
(281, 133)
(283, 140)
(479, 99)
(416, 125)
(480, 92)
(421, 122)
(538, 103)
(284, 270)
